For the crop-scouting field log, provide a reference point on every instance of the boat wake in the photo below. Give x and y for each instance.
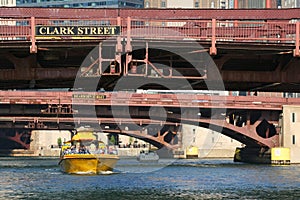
(84, 173)
(107, 172)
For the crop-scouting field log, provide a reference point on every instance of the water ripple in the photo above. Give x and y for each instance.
(182, 179)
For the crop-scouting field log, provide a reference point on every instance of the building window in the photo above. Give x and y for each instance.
(223, 5)
(147, 4)
(293, 117)
(196, 4)
(294, 139)
(163, 4)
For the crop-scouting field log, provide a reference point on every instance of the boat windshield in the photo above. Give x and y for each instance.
(89, 147)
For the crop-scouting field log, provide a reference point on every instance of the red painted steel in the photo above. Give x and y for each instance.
(213, 49)
(297, 42)
(248, 131)
(202, 25)
(198, 29)
(16, 138)
(33, 47)
(280, 33)
(17, 12)
(265, 104)
(83, 120)
(222, 14)
(135, 99)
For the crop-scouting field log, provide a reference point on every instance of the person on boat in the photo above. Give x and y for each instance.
(83, 150)
(73, 150)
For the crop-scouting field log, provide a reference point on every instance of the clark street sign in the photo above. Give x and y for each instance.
(77, 30)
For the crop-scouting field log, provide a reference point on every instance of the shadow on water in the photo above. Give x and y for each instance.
(29, 162)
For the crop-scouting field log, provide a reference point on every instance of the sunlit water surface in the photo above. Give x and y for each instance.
(40, 178)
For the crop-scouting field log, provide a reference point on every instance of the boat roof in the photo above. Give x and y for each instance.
(84, 135)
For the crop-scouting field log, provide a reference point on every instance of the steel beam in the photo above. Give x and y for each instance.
(77, 13)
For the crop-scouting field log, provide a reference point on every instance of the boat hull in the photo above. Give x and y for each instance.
(88, 163)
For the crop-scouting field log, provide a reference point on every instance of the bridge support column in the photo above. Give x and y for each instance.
(119, 49)
(33, 47)
(213, 49)
(128, 47)
(297, 42)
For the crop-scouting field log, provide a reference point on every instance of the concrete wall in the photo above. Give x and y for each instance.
(180, 4)
(129, 152)
(210, 143)
(44, 142)
(291, 131)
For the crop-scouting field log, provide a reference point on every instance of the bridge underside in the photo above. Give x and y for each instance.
(243, 67)
(14, 139)
(156, 125)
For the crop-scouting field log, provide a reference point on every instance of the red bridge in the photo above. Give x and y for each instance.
(249, 49)
(252, 120)
(121, 49)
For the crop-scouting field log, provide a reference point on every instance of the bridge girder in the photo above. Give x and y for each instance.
(20, 137)
(260, 131)
(224, 14)
(262, 72)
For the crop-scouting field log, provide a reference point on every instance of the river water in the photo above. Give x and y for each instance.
(40, 178)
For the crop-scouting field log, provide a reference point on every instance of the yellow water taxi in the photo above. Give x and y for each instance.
(84, 154)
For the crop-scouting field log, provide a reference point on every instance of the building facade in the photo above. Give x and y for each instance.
(290, 135)
(290, 4)
(8, 3)
(206, 4)
(220, 4)
(81, 3)
(223, 4)
(210, 144)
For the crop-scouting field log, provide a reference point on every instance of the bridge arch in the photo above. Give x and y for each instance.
(15, 139)
(246, 134)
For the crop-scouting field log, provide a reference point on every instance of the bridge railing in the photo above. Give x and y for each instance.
(252, 31)
(284, 32)
(171, 29)
(239, 31)
(15, 29)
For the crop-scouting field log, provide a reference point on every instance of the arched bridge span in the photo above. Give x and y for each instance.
(253, 120)
(14, 139)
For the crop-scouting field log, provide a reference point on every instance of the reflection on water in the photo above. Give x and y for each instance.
(37, 178)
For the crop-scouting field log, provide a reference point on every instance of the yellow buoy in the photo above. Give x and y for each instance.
(280, 155)
(192, 152)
